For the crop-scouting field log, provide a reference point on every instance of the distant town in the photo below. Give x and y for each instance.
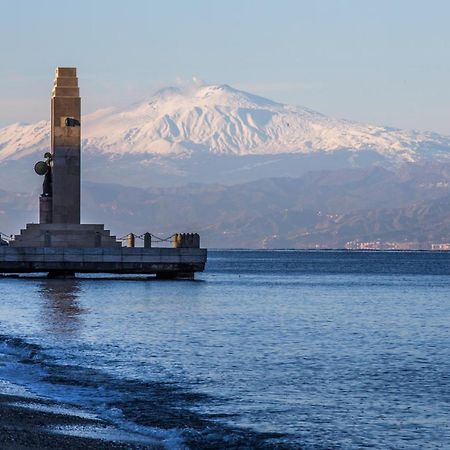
(381, 245)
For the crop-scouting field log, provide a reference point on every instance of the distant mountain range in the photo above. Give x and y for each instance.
(244, 171)
(319, 209)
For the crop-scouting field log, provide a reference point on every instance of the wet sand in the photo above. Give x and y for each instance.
(22, 428)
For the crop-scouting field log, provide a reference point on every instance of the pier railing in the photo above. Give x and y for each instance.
(149, 240)
(177, 240)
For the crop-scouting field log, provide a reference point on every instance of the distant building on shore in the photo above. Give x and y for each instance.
(445, 246)
(381, 245)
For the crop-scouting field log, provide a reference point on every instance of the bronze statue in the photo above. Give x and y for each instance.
(45, 168)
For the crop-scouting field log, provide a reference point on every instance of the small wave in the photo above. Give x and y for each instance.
(27, 372)
(16, 346)
(138, 411)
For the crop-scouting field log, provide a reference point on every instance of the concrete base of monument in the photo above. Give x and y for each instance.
(59, 262)
(65, 235)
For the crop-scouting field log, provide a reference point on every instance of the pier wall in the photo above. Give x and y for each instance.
(160, 261)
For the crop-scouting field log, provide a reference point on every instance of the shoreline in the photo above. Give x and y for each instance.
(23, 426)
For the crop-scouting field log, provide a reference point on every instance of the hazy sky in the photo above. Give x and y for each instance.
(384, 61)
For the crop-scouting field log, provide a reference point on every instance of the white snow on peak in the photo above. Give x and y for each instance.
(20, 140)
(223, 120)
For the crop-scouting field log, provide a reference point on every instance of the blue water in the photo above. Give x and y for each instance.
(287, 349)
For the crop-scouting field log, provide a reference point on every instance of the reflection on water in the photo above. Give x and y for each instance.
(61, 309)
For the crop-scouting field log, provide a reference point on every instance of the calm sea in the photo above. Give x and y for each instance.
(267, 349)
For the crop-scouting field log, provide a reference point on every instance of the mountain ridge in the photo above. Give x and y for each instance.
(325, 209)
(221, 120)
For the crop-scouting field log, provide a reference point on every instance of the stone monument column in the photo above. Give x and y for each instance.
(65, 147)
(59, 214)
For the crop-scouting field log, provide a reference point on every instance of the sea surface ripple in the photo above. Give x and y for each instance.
(285, 349)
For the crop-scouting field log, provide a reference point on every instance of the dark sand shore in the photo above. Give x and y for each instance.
(22, 428)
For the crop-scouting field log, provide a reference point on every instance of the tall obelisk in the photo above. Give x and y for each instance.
(59, 215)
(65, 147)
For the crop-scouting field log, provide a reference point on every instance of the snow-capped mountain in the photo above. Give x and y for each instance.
(223, 120)
(178, 129)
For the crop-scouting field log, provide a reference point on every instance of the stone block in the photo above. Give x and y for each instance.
(115, 258)
(93, 251)
(33, 258)
(66, 91)
(45, 209)
(132, 258)
(92, 258)
(71, 81)
(73, 254)
(66, 72)
(170, 259)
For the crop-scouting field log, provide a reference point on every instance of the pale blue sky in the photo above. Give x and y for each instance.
(384, 62)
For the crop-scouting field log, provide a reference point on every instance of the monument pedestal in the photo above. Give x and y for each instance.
(45, 209)
(65, 236)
